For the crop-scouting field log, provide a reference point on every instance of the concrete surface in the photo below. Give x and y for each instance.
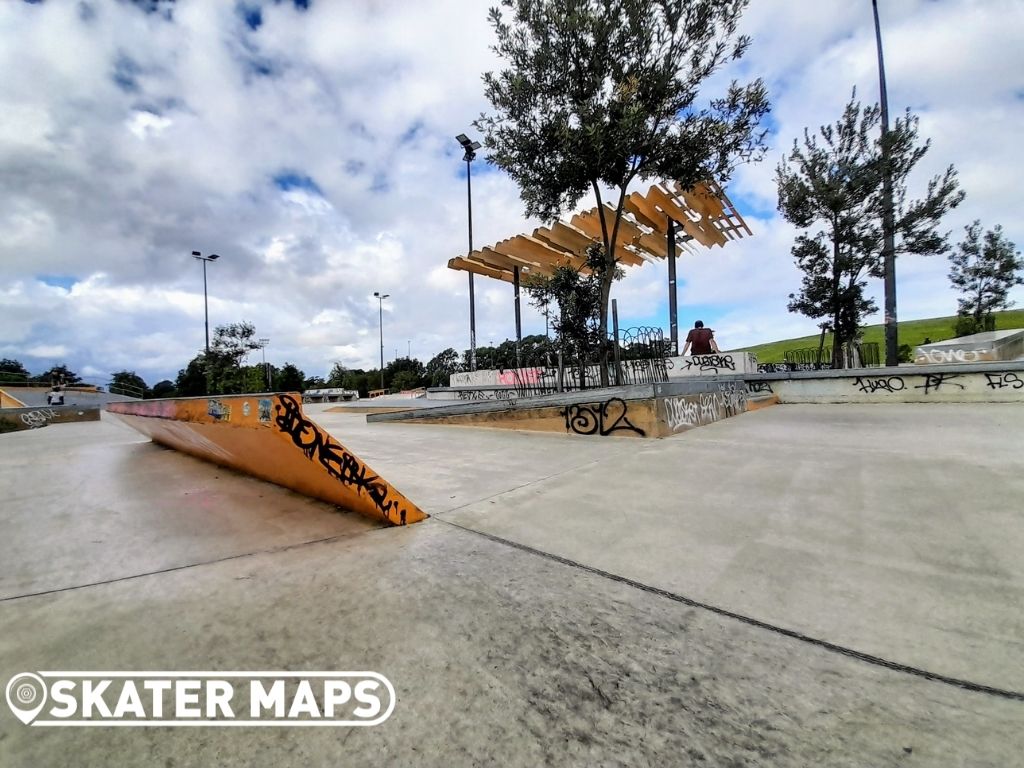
(34, 397)
(503, 656)
(893, 529)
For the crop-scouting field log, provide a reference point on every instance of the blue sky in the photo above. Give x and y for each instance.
(312, 146)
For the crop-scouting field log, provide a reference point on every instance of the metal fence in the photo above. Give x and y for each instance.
(636, 357)
(865, 355)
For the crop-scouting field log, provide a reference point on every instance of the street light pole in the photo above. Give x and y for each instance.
(470, 147)
(266, 371)
(380, 309)
(206, 307)
(888, 224)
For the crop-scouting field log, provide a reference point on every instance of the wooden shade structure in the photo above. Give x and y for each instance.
(703, 216)
(653, 225)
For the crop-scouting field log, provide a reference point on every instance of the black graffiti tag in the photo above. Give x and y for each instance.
(886, 384)
(710, 362)
(936, 380)
(1004, 380)
(594, 418)
(339, 463)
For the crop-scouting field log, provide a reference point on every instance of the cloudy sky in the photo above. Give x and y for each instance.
(310, 145)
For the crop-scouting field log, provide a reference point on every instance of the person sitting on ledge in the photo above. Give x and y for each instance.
(703, 340)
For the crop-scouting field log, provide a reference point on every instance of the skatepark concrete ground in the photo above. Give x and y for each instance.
(781, 588)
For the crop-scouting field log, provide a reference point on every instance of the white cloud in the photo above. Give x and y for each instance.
(128, 141)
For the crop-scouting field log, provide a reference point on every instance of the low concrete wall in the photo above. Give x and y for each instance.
(723, 363)
(978, 383)
(269, 437)
(643, 410)
(16, 419)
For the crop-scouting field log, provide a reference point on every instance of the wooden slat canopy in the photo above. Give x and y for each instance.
(704, 215)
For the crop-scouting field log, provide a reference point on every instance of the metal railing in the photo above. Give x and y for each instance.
(636, 357)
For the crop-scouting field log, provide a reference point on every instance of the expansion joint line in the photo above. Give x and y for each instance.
(833, 647)
(186, 566)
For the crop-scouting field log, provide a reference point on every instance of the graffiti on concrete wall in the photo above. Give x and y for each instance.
(339, 463)
(873, 384)
(952, 355)
(1004, 380)
(486, 394)
(714, 363)
(759, 387)
(218, 410)
(38, 418)
(686, 411)
(599, 418)
(933, 382)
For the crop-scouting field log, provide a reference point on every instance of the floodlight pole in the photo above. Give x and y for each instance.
(380, 309)
(266, 371)
(888, 224)
(470, 148)
(206, 307)
(673, 309)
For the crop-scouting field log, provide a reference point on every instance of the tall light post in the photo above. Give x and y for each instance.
(470, 147)
(266, 371)
(888, 224)
(380, 309)
(206, 308)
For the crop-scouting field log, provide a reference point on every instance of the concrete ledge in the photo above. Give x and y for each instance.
(17, 419)
(643, 410)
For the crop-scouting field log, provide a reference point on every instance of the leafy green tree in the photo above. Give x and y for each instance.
(577, 296)
(983, 269)
(128, 383)
(314, 382)
(835, 183)
(231, 343)
(604, 93)
(13, 371)
(336, 377)
(289, 379)
(58, 374)
(404, 373)
(163, 388)
(440, 368)
(191, 380)
(361, 381)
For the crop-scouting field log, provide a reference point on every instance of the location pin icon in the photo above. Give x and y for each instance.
(26, 695)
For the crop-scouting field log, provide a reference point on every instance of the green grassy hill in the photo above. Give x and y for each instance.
(912, 332)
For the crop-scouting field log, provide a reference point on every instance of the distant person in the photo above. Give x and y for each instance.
(702, 339)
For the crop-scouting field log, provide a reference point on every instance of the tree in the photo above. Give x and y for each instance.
(128, 383)
(837, 184)
(440, 368)
(59, 374)
(404, 373)
(13, 371)
(231, 343)
(163, 388)
(984, 271)
(603, 93)
(288, 379)
(191, 380)
(314, 382)
(578, 295)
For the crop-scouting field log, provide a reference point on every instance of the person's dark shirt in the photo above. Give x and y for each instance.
(700, 338)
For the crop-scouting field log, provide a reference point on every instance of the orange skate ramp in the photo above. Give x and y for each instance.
(269, 437)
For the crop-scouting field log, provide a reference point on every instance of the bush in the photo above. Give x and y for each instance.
(967, 325)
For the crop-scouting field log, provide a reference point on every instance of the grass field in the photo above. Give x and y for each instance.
(912, 332)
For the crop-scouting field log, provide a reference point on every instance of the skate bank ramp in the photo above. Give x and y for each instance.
(269, 437)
